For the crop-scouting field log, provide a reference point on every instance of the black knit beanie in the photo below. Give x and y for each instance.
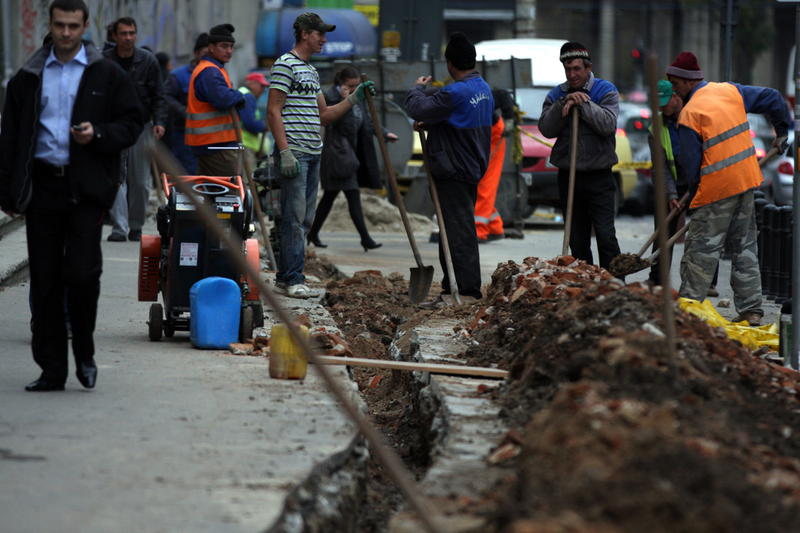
(460, 52)
(221, 34)
(201, 41)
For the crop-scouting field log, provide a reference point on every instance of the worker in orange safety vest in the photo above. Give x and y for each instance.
(718, 159)
(210, 127)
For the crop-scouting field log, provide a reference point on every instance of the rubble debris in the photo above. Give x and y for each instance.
(380, 216)
(243, 349)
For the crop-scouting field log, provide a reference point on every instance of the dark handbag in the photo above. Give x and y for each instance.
(339, 159)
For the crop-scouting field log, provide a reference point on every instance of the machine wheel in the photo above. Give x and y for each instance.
(169, 328)
(156, 322)
(246, 323)
(258, 315)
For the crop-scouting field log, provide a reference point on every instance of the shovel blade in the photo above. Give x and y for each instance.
(420, 283)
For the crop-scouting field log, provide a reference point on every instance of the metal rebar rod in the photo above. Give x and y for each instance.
(661, 204)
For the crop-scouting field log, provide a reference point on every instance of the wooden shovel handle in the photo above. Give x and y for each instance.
(387, 163)
(672, 214)
(573, 160)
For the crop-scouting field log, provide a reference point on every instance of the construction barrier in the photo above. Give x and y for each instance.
(627, 165)
(774, 225)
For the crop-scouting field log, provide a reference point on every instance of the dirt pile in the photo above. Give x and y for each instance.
(618, 434)
(380, 215)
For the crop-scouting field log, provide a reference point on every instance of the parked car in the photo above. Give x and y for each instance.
(634, 119)
(779, 176)
(540, 176)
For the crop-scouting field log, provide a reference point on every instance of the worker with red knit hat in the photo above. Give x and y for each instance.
(718, 159)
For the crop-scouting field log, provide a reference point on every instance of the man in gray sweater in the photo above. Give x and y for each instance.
(597, 102)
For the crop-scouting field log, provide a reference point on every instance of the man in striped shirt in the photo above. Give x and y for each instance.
(295, 113)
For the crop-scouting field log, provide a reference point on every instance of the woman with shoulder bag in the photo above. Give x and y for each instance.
(348, 160)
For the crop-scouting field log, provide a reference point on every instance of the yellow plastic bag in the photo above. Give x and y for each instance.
(751, 337)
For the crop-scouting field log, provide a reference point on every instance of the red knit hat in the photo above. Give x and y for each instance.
(685, 66)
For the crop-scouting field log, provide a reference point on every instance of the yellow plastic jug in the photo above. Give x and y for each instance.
(286, 359)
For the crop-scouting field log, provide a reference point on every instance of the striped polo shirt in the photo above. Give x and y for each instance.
(300, 81)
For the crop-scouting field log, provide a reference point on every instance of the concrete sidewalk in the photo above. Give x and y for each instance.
(172, 438)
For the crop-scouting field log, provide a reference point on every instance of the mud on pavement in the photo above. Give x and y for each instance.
(609, 431)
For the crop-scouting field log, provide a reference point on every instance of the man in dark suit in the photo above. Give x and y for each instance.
(68, 113)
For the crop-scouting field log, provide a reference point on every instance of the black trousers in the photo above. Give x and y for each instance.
(64, 258)
(353, 197)
(457, 199)
(595, 194)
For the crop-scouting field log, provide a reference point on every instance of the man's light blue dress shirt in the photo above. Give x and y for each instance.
(59, 86)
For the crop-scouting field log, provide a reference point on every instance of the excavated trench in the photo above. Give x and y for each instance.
(350, 491)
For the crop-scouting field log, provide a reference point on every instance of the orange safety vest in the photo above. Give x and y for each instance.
(729, 166)
(205, 124)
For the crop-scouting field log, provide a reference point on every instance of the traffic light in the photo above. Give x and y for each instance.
(638, 56)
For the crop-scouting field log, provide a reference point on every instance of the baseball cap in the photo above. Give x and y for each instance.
(664, 92)
(257, 76)
(312, 21)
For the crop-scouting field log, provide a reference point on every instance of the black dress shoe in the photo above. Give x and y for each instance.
(43, 385)
(371, 245)
(86, 372)
(316, 242)
(135, 235)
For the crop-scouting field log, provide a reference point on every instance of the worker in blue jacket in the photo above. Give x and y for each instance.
(458, 119)
(176, 93)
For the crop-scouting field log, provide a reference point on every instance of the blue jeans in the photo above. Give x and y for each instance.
(298, 203)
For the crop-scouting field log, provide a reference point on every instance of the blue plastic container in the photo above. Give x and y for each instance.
(215, 305)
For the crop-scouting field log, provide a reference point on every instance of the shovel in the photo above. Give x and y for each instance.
(573, 160)
(421, 275)
(672, 214)
(448, 259)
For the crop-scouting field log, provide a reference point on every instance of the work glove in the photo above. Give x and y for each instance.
(290, 166)
(360, 93)
(781, 143)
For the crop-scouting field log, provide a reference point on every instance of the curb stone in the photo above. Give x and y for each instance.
(14, 244)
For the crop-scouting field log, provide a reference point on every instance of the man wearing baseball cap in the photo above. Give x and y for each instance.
(254, 125)
(210, 128)
(718, 157)
(295, 113)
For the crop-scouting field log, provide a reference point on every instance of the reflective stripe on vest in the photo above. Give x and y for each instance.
(666, 142)
(729, 167)
(206, 124)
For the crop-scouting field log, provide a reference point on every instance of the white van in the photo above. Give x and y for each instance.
(546, 70)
